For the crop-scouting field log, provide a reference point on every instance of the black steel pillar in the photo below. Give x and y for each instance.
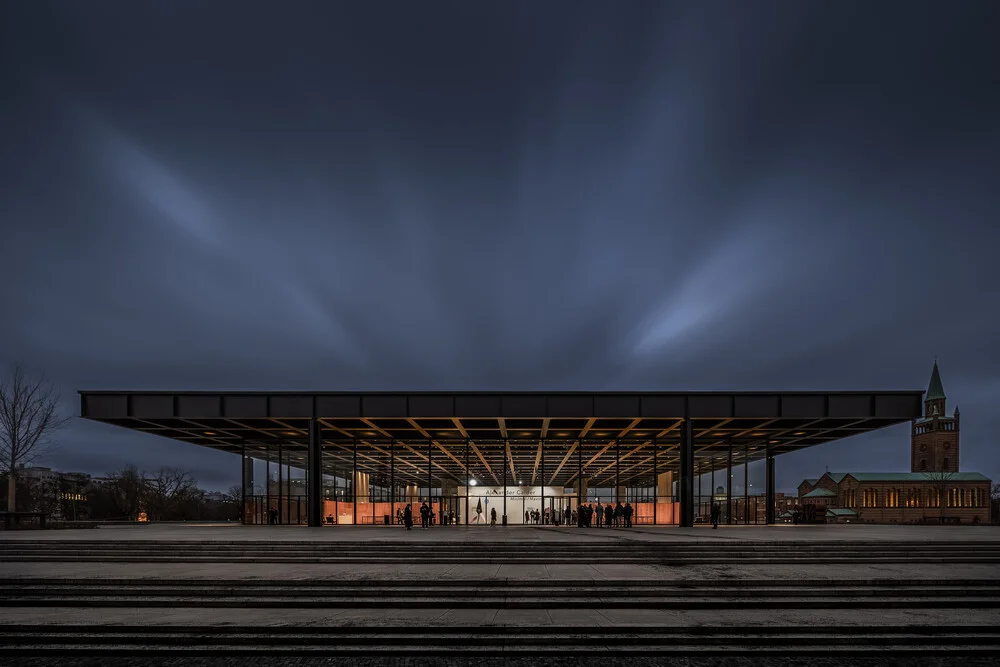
(466, 482)
(618, 466)
(769, 487)
(506, 444)
(746, 484)
(579, 484)
(542, 508)
(243, 484)
(729, 485)
(656, 482)
(314, 455)
(281, 496)
(430, 500)
(711, 490)
(267, 481)
(354, 485)
(392, 479)
(686, 484)
(698, 473)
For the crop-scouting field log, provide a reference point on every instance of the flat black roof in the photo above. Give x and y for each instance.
(600, 430)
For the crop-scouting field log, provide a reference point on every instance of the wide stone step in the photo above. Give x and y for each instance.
(609, 545)
(388, 589)
(496, 641)
(369, 582)
(663, 559)
(503, 602)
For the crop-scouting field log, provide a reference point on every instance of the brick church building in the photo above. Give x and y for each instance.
(934, 491)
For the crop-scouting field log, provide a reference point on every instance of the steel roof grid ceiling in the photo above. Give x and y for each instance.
(538, 436)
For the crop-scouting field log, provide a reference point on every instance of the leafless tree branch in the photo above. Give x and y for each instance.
(28, 418)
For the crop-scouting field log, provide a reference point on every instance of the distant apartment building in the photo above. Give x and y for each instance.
(60, 494)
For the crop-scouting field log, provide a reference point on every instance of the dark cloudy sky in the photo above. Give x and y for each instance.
(509, 195)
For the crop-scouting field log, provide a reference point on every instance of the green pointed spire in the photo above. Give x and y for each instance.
(935, 390)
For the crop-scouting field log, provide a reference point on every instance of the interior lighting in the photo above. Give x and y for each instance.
(209, 432)
(472, 482)
(800, 433)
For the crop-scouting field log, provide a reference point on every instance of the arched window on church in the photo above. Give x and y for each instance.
(945, 466)
(923, 464)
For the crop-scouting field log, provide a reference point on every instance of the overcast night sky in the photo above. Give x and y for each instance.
(518, 196)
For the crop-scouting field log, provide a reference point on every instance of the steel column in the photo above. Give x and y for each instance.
(769, 487)
(729, 485)
(243, 484)
(503, 520)
(466, 482)
(354, 485)
(430, 500)
(656, 483)
(314, 500)
(542, 509)
(267, 482)
(746, 484)
(700, 474)
(686, 485)
(281, 503)
(392, 480)
(618, 466)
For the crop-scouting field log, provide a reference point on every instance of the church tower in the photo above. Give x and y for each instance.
(934, 437)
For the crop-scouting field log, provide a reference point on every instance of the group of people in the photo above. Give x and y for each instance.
(616, 515)
(405, 516)
(605, 516)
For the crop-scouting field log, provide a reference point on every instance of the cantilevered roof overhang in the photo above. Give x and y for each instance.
(541, 436)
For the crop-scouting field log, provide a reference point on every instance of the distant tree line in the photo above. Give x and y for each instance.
(169, 494)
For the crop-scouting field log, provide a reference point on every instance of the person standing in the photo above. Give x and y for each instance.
(424, 515)
(715, 515)
(600, 514)
(493, 517)
(408, 517)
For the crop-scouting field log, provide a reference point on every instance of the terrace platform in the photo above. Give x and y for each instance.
(781, 533)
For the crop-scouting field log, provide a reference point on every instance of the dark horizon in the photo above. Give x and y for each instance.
(651, 196)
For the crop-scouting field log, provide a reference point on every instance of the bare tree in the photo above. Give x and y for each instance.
(941, 484)
(28, 418)
(127, 488)
(166, 488)
(42, 492)
(234, 496)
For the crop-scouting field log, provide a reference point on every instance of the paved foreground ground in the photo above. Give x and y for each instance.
(772, 661)
(514, 534)
(593, 617)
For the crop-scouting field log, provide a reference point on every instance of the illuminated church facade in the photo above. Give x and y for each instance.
(934, 491)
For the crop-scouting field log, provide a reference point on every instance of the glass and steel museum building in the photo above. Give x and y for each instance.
(358, 458)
